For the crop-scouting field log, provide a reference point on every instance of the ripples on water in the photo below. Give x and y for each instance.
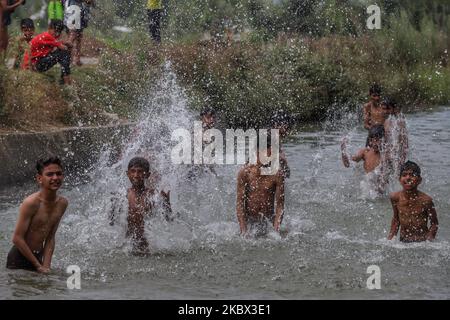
(332, 232)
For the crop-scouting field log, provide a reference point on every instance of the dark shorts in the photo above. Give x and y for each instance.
(154, 24)
(58, 56)
(16, 260)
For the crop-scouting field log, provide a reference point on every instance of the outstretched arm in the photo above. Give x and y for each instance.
(26, 213)
(240, 201)
(433, 220)
(12, 7)
(279, 198)
(395, 224)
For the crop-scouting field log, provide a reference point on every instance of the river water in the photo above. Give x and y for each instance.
(333, 231)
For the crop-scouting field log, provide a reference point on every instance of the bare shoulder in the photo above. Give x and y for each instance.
(244, 171)
(366, 106)
(425, 198)
(395, 196)
(64, 201)
(32, 201)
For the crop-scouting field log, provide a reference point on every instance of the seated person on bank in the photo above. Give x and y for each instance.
(46, 51)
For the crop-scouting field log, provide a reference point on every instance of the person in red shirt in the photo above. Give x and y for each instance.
(46, 51)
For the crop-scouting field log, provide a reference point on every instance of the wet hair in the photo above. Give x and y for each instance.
(27, 23)
(375, 88)
(140, 163)
(376, 132)
(409, 165)
(389, 102)
(56, 25)
(280, 118)
(207, 110)
(41, 164)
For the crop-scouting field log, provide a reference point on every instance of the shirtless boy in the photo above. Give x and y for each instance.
(260, 198)
(371, 156)
(373, 113)
(39, 217)
(412, 208)
(141, 203)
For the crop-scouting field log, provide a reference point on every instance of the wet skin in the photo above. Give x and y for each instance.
(39, 217)
(413, 210)
(256, 197)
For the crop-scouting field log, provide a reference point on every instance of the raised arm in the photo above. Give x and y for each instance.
(395, 224)
(279, 198)
(26, 212)
(433, 221)
(240, 201)
(12, 7)
(49, 246)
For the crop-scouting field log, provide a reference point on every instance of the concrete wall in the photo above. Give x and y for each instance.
(79, 149)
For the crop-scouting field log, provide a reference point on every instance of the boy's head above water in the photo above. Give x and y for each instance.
(49, 173)
(27, 27)
(208, 117)
(375, 92)
(282, 121)
(55, 27)
(410, 175)
(389, 105)
(138, 171)
(376, 135)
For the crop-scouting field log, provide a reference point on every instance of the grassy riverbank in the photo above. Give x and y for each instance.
(308, 72)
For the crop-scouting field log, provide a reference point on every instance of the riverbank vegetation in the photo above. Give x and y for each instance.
(248, 58)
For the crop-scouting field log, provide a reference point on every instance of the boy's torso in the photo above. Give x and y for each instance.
(413, 216)
(45, 218)
(372, 160)
(260, 193)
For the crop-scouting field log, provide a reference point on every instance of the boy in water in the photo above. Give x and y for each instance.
(412, 208)
(23, 57)
(260, 198)
(370, 155)
(373, 113)
(141, 203)
(208, 118)
(39, 217)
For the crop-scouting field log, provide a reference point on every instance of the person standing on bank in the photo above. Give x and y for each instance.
(154, 13)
